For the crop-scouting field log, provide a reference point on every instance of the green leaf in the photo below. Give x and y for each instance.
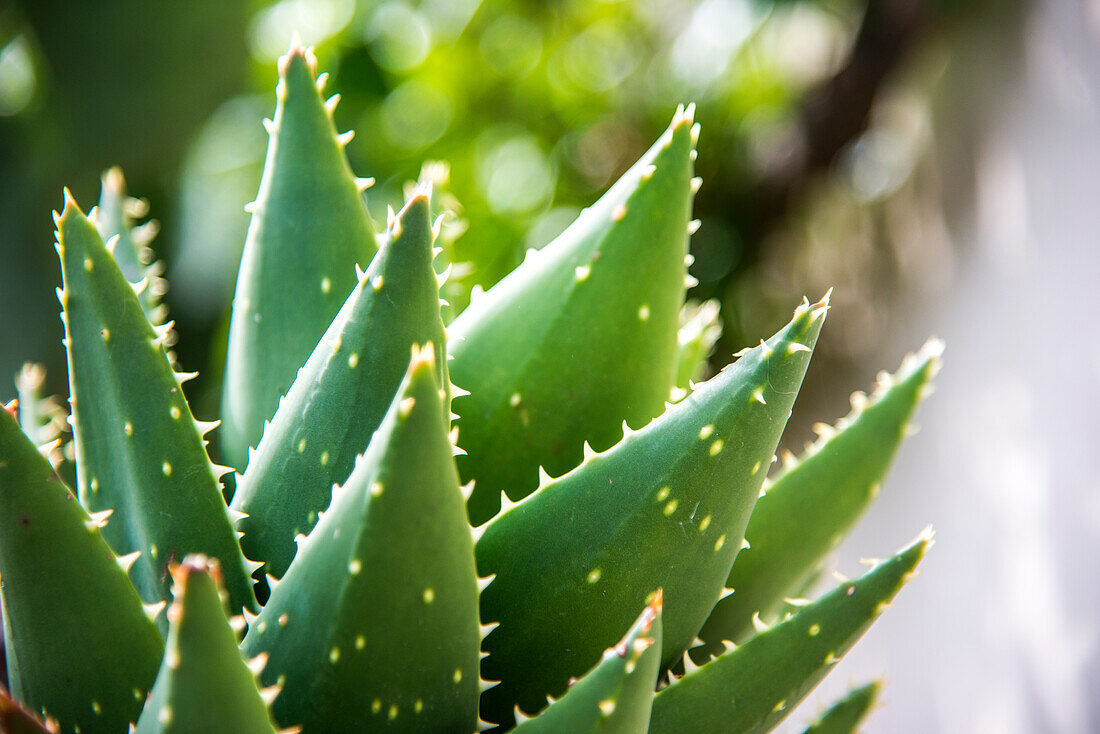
(14, 719)
(813, 502)
(114, 218)
(341, 395)
(78, 643)
(700, 327)
(589, 322)
(375, 625)
(293, 278)
(665, 508)
(204, 684)
(139, 451)
(849, 712)
(616, 696)
(753, 687)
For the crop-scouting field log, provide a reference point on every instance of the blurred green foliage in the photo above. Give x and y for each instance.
(535, 107)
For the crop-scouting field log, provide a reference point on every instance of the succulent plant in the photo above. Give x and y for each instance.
(547, 544)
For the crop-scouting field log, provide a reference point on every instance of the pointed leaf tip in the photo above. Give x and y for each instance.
(619, 269)
(656, 602)
(296, 52)
(684, 115)
(422, 191)
(202, 663)
(285, 301)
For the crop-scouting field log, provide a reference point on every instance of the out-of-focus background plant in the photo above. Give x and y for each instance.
(816, 121)
(877, 146)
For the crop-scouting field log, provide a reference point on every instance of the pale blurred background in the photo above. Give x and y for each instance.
(1000, 633)
(936, 161)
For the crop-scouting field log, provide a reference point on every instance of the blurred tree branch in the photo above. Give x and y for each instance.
(836, 112)
(827, 119)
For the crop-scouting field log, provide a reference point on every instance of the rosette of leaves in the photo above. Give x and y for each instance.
(529, 519)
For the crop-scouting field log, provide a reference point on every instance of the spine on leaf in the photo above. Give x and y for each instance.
(139, 452)
(292, 280)
(589, 321)
(378, 611)
(816, 499)
(79, 645)
(666, 507)
(341, 395)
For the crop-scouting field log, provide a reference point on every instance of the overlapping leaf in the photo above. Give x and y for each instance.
(814, 501)
(750, 689)
(340, 396)
(589, 322)
(375, 625)
(665, 508)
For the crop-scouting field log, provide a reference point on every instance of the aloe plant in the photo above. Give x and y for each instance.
(547, 544)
